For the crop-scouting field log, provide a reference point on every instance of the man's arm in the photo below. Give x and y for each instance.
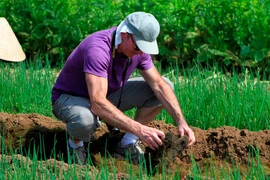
(169, 101)
(100, 106)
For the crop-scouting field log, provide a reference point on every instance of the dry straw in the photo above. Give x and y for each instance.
(10, 48)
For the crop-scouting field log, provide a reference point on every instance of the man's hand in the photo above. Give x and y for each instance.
(168, 100)
(151, 136)
(185, 130)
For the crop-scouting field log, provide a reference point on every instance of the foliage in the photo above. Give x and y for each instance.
(54, 27)
(229, 32)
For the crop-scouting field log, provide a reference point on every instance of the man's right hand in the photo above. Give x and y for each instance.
(151, 136)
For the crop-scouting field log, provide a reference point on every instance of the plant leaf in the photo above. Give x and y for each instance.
(244, 50)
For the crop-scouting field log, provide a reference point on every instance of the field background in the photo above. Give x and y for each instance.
(216, 52)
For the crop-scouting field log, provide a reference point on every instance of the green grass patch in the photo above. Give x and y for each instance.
(208, 97)
(16, 166)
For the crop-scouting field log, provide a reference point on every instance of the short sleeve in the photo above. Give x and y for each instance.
(97, 59)
(145, 62)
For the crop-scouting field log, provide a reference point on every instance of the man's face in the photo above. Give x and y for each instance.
(129, 46)
(136, 48)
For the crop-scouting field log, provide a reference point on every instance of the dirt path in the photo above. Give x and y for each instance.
(221, 146)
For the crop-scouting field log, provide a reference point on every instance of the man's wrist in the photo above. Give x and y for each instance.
(181, 122)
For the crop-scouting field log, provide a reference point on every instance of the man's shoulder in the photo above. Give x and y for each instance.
(99, 39)
(102, 34)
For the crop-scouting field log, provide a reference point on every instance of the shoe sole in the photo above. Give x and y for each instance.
(119, 156)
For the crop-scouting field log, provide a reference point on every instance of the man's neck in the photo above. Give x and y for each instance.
(119, 49)
(120, 52)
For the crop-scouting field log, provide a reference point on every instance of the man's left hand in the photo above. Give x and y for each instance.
(185, 130)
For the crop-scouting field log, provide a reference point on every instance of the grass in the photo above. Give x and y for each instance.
(18, 167)
(208, 97)
(26, 89)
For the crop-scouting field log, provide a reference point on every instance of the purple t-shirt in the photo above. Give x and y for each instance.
(94, 56)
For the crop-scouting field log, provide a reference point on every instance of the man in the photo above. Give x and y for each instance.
(94, 83)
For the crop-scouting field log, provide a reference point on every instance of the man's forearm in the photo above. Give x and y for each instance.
(110, 114)
(169, 101)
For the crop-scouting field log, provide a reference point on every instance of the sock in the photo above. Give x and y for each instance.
(128, 139)
(75, 145)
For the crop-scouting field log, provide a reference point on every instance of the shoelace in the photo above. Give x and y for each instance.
(140, 144)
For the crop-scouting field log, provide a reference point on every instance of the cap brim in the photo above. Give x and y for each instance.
(147, 47)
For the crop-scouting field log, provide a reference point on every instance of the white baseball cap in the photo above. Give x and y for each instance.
(10, 48)
(145, 28)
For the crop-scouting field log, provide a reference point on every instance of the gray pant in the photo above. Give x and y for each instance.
(81, 122)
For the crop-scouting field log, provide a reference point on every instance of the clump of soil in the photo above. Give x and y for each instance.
(222, 146)
(167, 154)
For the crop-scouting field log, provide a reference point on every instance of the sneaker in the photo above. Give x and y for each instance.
(133, 151)
(78, 155)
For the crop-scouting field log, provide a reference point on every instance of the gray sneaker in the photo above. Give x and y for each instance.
(77, 155)
(133, 152)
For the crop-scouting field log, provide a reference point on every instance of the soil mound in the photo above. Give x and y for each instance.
(222, 146)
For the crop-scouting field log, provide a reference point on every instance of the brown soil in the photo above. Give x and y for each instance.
(222, 146)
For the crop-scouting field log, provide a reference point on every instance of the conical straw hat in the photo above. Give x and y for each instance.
(10, 48)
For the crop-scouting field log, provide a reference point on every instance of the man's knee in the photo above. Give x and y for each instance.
(168, 82)
(83, 125)
(86, 117)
